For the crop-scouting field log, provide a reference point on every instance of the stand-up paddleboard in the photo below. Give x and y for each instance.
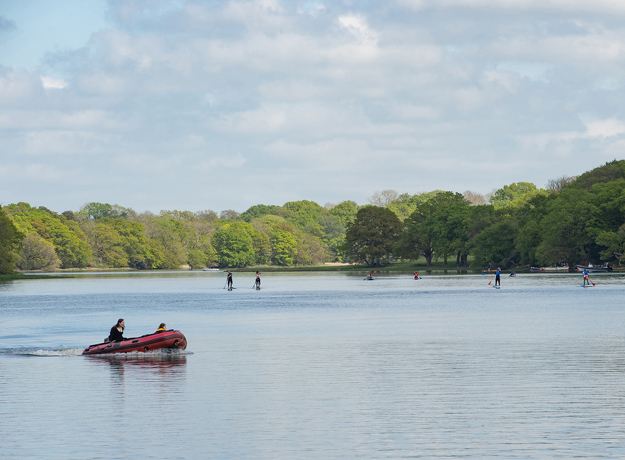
(586, 285)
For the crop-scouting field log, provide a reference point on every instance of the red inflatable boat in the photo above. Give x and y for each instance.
(165, 339)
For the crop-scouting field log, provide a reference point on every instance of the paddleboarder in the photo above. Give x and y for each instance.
(229, 280)
(586, 279)
(257, 280)
(498, 277)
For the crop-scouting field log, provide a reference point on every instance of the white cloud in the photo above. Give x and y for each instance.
(189, 93)
(574, 6)
(605, 128)
(53, 83)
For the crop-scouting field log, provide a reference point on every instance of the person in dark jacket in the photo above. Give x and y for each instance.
(229, 280)
(117, 331)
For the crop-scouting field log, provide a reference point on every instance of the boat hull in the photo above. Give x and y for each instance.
(166, 339)
(588, 268)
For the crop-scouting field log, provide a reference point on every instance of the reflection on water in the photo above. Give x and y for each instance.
(161, 360)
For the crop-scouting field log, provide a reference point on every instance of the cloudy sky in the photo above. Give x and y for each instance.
(213, 104)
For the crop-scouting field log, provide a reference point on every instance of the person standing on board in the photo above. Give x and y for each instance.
(498, 277)
(257, 280)
(229, 280)
(117, 331)
(586, 279)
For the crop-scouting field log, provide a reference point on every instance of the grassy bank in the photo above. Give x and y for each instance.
(22, 276)
(394, 267)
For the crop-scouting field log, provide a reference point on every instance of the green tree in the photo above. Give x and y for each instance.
(10, 243)
(437, 228)
(372, 237)
(38, 254)
(284, 247)
(496, 244)
(96, 211)
(234, 246)
(70, 242)
(310, 249)
(406, 204)
(344, 212)
(257, 211)
(107, 245)
(569, 228)
(515, 194)
(609, 172)
(614, 244)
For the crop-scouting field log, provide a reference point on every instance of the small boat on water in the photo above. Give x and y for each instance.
(592, 268)
(166, 339)
(559, 268)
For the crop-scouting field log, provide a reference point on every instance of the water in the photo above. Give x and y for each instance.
(315, 366)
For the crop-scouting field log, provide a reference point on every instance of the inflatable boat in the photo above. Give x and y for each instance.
(166, 339)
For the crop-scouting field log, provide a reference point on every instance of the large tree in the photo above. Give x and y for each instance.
(234, 246)
(372, 237)
(437, 228)
(38, 254)
(10, 242)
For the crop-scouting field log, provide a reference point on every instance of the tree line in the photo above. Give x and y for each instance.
(573, 220)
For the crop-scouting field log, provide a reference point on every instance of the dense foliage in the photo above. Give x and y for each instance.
(574, 220)
(10, 243)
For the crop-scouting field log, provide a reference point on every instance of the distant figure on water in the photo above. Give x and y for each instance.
(229, 280)
(513, 274)
(162, 327)
(257, 280)
(416, 275)
(498, 277)
(586, 279)
(370, 276)
(117, 331)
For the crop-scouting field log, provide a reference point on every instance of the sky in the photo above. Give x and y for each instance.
(193, 105)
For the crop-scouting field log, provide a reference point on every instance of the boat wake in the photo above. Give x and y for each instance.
(41, 351)
(163, 353)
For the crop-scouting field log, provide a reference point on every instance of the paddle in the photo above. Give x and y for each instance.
(491, 280)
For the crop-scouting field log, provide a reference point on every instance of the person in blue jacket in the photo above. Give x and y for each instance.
(586, 279)
(498, 277)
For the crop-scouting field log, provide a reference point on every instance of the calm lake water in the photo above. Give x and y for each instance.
(319, 366)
